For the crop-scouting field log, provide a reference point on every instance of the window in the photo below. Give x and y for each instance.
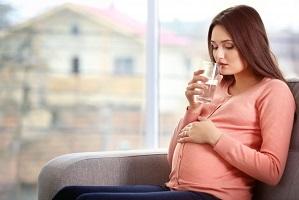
(124, 66)
(104, 111)
(96, 111)
(75, 30)
(75, 65)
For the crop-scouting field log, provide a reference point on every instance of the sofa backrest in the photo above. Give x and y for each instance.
(294, 86)
(288, 188)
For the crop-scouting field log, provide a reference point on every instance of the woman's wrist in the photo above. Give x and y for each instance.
(215, 138)
(194, 108)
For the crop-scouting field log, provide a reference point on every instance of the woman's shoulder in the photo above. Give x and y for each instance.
(275, 88)
(274, 84)
(275, 95)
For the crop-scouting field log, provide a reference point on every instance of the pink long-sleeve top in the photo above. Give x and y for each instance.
(256, 127)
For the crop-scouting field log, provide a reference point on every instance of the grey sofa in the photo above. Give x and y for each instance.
(151, 167)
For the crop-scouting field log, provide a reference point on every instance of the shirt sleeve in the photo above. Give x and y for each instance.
(276, 110)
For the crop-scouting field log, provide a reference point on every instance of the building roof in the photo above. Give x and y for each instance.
(112, 17)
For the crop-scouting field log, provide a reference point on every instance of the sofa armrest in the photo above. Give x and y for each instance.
(102, 168)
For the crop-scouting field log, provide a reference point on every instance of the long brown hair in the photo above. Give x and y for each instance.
(248, 33)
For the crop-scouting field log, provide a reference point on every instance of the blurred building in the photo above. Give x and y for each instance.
(285, 45)
(73, 79)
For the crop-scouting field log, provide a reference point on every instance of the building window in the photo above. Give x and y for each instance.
(124, 66)
(75, 30)
(75, 65)
(188, 64)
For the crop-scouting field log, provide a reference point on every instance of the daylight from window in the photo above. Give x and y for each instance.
(73, 75)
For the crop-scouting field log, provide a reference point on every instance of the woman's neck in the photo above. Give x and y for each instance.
(243, 83)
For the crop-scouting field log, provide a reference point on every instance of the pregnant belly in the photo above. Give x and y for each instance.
(201, 164)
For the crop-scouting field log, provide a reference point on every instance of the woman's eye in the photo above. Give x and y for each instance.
(229, 46)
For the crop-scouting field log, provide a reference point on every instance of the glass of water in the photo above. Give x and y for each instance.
(210, 72)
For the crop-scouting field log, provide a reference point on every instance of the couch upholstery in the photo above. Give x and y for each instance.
(151, 167)
(102, 168)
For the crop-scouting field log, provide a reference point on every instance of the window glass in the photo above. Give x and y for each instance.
(75, 29)
(124, 66)
(46, 111)
(75, 65)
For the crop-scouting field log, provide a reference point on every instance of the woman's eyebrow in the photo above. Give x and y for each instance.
(223, 41)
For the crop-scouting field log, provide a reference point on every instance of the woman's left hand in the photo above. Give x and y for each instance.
(201, 132)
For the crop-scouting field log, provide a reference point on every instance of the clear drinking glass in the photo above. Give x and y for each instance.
(210, 72)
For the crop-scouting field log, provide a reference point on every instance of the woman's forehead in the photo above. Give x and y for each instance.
(220, 34)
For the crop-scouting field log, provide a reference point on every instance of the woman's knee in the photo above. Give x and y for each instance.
(68, 192)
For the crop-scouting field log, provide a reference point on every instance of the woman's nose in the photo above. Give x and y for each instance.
(219, 53)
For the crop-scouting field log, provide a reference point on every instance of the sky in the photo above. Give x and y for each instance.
(278, 14)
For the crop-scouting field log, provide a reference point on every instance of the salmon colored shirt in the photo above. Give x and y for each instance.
(256, 127)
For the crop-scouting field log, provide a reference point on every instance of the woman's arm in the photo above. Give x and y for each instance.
(194, 87)
(276, 113)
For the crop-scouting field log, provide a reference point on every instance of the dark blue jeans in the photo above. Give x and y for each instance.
(128, 192)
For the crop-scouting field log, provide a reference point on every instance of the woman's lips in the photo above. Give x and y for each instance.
(221, 65)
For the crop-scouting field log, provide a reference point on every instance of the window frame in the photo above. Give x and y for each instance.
(152, 77)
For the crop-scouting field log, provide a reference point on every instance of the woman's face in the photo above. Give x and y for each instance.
(225, 53)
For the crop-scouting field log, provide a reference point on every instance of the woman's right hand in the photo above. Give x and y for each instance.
(195, 87)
